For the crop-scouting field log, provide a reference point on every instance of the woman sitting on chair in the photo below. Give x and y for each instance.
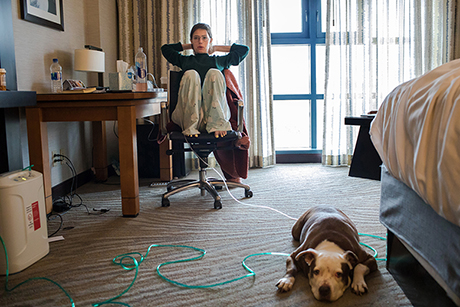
(202, 104)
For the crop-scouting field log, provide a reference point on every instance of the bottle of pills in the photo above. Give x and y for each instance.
(2, 79)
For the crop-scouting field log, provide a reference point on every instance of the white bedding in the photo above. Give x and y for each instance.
(417, 134)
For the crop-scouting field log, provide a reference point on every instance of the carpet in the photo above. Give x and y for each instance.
(82, 262)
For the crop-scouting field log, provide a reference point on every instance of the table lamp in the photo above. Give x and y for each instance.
(91, 59)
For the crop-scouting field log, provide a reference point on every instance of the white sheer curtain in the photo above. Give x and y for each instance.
(246, 22)
(371, 47)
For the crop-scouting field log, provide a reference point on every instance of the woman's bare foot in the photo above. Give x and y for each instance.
(236, 180)
(220, 133)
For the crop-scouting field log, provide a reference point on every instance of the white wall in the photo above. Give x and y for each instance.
(92, 22)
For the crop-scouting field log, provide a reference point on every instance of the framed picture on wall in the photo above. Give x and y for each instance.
(47, 13)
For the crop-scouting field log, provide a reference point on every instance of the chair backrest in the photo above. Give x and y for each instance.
(174, 83)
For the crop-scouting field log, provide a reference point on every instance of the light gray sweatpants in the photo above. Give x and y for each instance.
(202, 108)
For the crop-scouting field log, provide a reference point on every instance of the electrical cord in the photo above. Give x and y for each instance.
(275, 210)
(151, 131)
(121, 259)
(60, 225)
(114, 128)
(135, 264)
(68, 199)
(228, 190)
(65, 203)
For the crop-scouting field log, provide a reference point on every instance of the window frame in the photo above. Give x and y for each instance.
(311, 35)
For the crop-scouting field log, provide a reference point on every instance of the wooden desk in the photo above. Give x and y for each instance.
(97, 108)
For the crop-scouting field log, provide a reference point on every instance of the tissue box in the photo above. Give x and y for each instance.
(120, 81)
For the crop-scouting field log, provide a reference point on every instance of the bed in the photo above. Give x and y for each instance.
(417, 134)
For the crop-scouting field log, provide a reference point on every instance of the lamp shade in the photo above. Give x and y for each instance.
(89, 60)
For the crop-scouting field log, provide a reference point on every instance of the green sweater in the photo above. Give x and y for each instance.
(202, 62)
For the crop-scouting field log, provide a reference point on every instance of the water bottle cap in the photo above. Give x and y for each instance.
(140, 49)
(55, 60)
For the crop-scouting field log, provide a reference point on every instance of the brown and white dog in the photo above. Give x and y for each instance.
(329, 254)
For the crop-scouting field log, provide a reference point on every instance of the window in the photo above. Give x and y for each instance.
(298, 66)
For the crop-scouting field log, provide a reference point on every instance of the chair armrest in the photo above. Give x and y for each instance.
(164, 117)
(240, 116)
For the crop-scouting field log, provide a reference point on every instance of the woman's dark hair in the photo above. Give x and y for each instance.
(203, 26)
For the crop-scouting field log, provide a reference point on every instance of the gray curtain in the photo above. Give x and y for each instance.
(150, 24)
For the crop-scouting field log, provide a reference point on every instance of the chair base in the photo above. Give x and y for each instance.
(204, 184)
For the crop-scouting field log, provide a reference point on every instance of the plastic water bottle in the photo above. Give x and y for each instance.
(56, 77)
(141, 70)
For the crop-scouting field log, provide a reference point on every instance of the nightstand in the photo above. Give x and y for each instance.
(366, 161)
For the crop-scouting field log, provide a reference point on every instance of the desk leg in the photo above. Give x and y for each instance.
(37, 134)
(100, 151)
(127, 144)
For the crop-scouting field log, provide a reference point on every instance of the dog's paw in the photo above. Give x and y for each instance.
(285, 284)
(359, 287)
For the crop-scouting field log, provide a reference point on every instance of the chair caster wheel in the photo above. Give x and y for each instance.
(217, 204)
(248, 193)
(165, 202)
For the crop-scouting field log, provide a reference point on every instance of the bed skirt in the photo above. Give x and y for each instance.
(431, 239)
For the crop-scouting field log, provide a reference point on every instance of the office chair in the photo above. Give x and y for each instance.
(202, 145)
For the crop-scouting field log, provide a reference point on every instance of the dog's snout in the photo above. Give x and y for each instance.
(324, 291)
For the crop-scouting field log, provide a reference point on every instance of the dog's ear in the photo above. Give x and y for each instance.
(309, 255)
(351, 257)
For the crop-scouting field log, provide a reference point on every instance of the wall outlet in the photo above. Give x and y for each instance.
(53, 163)
(53, 158)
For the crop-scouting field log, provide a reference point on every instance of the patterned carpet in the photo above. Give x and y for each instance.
(82, 263)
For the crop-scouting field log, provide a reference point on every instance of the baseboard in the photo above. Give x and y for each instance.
(63, 188)
(298, 158)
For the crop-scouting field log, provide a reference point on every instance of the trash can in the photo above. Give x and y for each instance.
(23, 225)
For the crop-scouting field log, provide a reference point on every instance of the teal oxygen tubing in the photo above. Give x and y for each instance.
(132, 261)
(120, 260)
(134, 265)
(129, 262)
(7, 289)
